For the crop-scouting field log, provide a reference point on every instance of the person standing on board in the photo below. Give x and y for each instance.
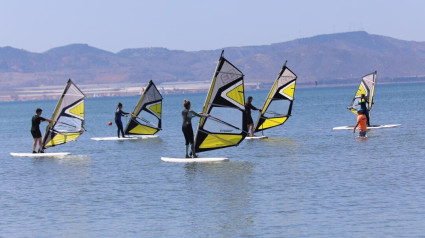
(118, 122)
(35, 130)
(249, 121)
(361, 123)
(363, 104)
(187, 115)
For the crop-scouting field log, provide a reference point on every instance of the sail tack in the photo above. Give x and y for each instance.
(146, 118)
(68, 117)
(278, 105)
(367, 87)
(225, 102)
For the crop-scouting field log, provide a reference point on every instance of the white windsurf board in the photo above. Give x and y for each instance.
(369, 127)
(125, 138)
(192, 160)
(57, 154)
(255, 137)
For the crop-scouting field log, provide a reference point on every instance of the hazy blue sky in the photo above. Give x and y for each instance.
(199, 24)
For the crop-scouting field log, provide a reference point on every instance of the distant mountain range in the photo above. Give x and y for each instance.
(328, 59)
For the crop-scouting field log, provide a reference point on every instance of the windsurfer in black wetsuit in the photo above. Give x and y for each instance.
(363, 104)
(35, 130)
(249, 121)
(118, 114)
(187, 115)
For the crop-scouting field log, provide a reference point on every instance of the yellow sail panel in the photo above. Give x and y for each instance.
(143, 130)
(353, 110)
(62, 138)
(288, 91)
(271, 122)
(156, 108)
(269, 98)
(237, 95)
(220, 140)
(372, 91)
(78, 110)
(361, 90)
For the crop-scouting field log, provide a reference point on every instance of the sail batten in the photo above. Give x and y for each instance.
(277, 107)
(68, 117)
(366, 87)
(147, 115)
(224, 103)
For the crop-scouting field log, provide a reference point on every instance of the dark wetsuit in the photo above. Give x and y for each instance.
(187, 126)
(118, 122)
(363, 104)
(248, 107)
(35, 126)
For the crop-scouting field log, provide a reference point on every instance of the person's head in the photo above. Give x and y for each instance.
(249, 99)
(362, 95)
(38, 111)
(119, 105)
(360, 111)
(186, 104)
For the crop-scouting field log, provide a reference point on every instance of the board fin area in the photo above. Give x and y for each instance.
(194, 160)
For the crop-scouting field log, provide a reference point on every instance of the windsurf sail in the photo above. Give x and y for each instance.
(146, 117)
(68, 117)
(225, 103)
(278, 105)
(367, 87)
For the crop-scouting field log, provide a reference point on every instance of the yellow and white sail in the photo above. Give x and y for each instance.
(225, 103)
(146, 118)
(278, 105)
(367, 87)
(68, 117)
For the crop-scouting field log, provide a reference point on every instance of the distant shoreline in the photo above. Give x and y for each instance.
(111, 90)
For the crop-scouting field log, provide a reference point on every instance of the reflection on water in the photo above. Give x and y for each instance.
(74, 160)
(227, 188)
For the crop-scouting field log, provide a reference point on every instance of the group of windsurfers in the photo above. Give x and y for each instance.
(187, 114)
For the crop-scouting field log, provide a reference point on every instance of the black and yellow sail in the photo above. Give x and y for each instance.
(68, 117)
(367, 87)
(225, 102)
(278, 105)
(146, 117)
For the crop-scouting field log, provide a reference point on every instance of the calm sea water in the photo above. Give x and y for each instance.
(305, 180)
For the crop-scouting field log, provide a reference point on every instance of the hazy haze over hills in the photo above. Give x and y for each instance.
(324, 58)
